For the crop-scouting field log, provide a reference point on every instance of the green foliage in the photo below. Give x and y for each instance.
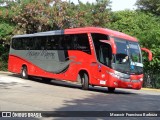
(39, 15)
(6, 30)
(96, 14)
(152, 6)
(3, 57)
(6, 25)
(146, 27)
(29, 16)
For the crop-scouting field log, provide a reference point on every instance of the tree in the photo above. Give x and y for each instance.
(32, 16)
(95, 14)
(146, 28)
(6, 26)
(152, 6)
(6, 30)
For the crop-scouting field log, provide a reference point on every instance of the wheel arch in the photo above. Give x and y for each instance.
(25, 65)
(24, 72)
(84, 71)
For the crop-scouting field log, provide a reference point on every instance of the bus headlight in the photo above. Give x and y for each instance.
(136, 81)
(120, 76)
(114, 75)
(141, 79)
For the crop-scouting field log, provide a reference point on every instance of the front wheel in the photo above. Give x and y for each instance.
(84, 81)
(24, 72)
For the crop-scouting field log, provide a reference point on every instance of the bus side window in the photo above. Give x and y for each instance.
(82, 43)
(13, 44)
(25, 44)
(104, 54)
(51, 43)
(74, 43)
(55, 43)
(19, 44)
(103, 51)
(68, 42)
(60, 43)
(39, 43)
(43, 43)
(31, 43)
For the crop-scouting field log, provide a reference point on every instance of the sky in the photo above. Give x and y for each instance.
(116, 4)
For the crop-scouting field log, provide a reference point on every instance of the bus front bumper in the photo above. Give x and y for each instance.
(133, 82)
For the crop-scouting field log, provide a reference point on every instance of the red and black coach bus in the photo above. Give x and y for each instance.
(92, 56)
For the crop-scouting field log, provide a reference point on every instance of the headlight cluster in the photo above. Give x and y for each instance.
(136, 81)
(121, 76)
(124, 77)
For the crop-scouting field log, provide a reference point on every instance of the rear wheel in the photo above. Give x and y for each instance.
(84, 81)
(111, 89)
(24, 72)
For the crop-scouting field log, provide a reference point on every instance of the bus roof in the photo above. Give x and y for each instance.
(102, 31)
(81, 30)
(48, 33)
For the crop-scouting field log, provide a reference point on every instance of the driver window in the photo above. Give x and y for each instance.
(103, 50)
(104, 55)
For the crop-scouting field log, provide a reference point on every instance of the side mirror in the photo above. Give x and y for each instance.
(149, 53)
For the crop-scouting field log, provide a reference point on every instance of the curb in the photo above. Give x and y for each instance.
(151, 89)
(5, 72)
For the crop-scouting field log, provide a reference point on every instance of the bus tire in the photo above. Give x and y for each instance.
(111, 89)
(24, 72)
(84, 81)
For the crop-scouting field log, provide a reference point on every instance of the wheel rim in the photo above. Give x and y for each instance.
(23, 73)
(83, 80)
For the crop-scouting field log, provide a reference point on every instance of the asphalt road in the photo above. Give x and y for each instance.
(17, 94)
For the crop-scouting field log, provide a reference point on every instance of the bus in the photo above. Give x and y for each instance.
(90, 56)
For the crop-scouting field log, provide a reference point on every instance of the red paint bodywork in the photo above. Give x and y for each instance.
(97, 72)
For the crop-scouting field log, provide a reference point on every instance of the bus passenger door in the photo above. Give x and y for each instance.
(103, 64)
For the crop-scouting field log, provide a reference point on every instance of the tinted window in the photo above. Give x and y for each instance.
(39, 43)
(28, 43)
(103, 50)
(20, 44)
(57, 42)
(78, 42)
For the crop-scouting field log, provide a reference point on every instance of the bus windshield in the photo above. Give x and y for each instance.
(128, 58)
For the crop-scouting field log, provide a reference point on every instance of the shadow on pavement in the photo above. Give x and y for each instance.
(6, 84)
(77, 109)
(73, 85)
(118, 101)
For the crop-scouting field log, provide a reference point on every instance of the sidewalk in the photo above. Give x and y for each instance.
(5, 72)
(151, 89)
